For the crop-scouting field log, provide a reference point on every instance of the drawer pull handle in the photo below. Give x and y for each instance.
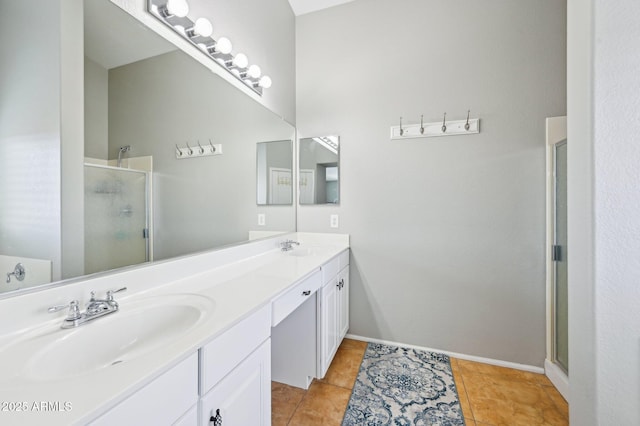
(306, 292)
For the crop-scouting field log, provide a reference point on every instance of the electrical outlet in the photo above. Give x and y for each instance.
(261, 219)
(333, 221)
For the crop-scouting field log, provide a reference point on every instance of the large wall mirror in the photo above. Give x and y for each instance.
(144, 102)
(319, 174)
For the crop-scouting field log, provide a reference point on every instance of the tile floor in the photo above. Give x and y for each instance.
(489, 395)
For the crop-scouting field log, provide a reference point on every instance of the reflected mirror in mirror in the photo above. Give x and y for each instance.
(142, 98)
(274, 173)
(319, 177)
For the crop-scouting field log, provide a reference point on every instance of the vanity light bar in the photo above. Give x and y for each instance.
(173, 13)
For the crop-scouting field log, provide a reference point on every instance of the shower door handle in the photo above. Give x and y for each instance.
(556, 253)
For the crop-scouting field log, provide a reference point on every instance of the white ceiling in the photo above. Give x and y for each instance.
(300, 7)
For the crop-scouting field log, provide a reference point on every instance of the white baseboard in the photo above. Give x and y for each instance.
(499, 363)
(557, 377)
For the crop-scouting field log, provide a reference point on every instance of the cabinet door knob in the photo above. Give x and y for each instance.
(306, 292)
(217, 419)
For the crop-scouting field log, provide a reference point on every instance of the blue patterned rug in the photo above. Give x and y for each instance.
(402, 387)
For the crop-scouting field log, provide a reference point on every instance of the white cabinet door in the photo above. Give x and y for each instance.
(243, 397)
(328, 327)
(343, 303)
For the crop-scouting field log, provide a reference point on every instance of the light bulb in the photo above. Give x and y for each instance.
(235, 72)
(265, 82)
(254, 71)
(240, 61)
(179, 8)
(203, 27)
(224, 45)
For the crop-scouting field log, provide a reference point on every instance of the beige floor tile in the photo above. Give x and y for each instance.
(345, 366)
(324, 404)
(467, 367)
(284, 401)
(500, 400)
(558, 400)
(454, 364)
(464, 400)
(354, 344)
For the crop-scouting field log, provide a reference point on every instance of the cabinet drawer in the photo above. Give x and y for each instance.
(222, 354)
(344, 259)
(163, 401)
(288, 302)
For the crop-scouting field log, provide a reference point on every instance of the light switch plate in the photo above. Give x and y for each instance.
(261, 219)
(334, 221)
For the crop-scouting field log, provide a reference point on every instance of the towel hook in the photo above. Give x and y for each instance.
(401, 129)
(200, 149)
(178, 151)
(213, 148)
(467, 126)
(422, 124)
(190, 150)
(444, 123)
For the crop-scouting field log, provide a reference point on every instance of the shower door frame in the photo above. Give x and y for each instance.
(556, 133)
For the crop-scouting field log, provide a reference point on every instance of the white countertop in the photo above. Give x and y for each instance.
(237, 289)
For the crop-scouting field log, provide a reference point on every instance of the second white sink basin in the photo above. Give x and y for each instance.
(137, 329)
(304, 251)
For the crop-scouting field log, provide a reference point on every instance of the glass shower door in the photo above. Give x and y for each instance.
(115, 218)
(561, 341)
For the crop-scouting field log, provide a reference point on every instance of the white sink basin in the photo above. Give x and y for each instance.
(138, 328)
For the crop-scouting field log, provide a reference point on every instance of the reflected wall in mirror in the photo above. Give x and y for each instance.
(274, 173)
(319, 175)
(142, 97)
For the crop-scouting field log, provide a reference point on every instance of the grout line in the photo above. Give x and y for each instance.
(306, 391)
(464, 386)
(553, 401)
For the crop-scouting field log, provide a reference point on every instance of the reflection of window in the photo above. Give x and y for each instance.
(332, 184)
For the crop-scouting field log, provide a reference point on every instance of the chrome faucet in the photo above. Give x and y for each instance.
(288, 245)
(18, 272)
(96, 308)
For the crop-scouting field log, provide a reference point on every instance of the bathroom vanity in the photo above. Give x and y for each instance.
(196, 340)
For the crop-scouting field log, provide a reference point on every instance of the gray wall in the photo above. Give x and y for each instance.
(202, 202)
(265, 32)
(30, 219)
(96, 115)
(604, 212)
(447, 234)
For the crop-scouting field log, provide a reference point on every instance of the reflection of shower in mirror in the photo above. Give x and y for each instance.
(121, 151)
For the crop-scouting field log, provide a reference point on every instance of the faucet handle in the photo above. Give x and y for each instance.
(74, 309)
(110, 293)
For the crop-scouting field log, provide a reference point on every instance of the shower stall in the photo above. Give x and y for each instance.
(116, 211)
